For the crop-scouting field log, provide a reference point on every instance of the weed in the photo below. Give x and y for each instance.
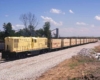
(73, 65)
(79, 59)
(97, 49)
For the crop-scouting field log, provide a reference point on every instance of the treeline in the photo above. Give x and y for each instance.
(30, 24)
(27, 32)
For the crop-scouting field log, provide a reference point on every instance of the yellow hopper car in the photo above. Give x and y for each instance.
(73, 42)
(65, 42)
(55, 43)
(78, 41)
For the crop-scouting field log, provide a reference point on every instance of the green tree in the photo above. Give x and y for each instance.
(46, 29)
(40, 32)
(8, 31)
(21, 32)
(31, 30)
(2, 35)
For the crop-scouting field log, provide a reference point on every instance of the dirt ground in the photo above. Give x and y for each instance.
(76, 68)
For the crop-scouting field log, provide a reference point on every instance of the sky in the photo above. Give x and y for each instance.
(71, 17)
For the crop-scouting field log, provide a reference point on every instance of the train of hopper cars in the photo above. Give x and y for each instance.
(16, 47)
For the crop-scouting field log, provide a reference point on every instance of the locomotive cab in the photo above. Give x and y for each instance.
(39, 43)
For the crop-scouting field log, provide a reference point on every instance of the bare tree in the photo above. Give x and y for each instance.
(30, 22)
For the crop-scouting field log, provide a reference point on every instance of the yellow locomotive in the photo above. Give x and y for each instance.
(16, 45)
(21, 44)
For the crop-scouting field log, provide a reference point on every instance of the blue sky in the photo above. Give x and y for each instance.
(72, 17)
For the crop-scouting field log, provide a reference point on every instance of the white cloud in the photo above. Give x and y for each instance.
(81, 23)
(17, 26)
(51, 21)
(6, 15)
(13, 26)
(97, 17)
(71, 11)
(56, 11)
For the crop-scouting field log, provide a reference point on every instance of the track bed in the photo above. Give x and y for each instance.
(32, 67)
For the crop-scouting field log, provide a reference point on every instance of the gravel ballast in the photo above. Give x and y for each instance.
(32, 67)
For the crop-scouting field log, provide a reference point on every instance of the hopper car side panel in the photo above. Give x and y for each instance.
(93, 40)
(65, 42)
(89, 40)
(96, 40)
(82, 41)
(85, 41)
(78, 41)
(73, 42)
(55, 43)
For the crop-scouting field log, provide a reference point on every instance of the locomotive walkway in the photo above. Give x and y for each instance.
(32, 67)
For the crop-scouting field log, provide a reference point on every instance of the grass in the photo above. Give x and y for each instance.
(97, 49)
(79, 60)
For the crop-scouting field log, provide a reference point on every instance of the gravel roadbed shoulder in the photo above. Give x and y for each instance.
(32, 67)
